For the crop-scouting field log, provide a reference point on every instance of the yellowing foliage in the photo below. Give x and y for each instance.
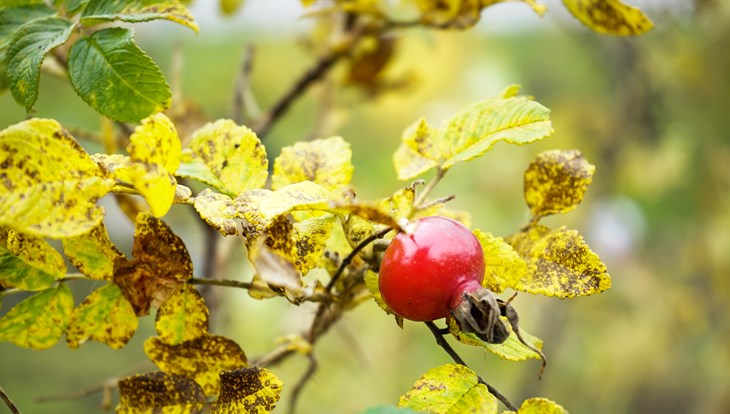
(610, 16)
(326, 162)
(50, 184)
(105, 316)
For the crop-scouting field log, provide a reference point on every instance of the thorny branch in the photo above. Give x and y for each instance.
(441, 341)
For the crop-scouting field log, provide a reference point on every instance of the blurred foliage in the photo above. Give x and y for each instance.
(650, 112)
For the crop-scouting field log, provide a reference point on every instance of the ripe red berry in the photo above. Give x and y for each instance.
(436, 270)
(423, 271)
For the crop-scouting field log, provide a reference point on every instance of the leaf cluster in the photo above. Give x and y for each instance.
(302, 218)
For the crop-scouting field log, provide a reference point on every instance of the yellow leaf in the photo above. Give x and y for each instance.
(504, 267)
(449, 389)
(38, 321)
(455, 14)
(201, 359)
(233, 153)
(27, 262)
(93, 253)
(154, 150)
(248, 390)
(511, 349)
(218, 211)
(610, 16)
(559, 263)
(50, 184)
(158, 392)
(326, 162)
(556, 181)
(539, 405)
(104, 316)
(371, 282)
(471, 133)
(230, 7)
(182, 317)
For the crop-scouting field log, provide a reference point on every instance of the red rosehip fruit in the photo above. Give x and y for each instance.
(436, 270)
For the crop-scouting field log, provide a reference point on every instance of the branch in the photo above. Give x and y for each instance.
(441, 341)
(314, 297)
(8, 402)
(323, 65)
(350, 257)
(311, 369)
(440, 173)
(242, 95)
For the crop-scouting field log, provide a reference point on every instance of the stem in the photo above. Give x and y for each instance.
(441, 341)
(314, 297)
(350, 257)
(440, 173)
(8, 402)
(314, 74)
(242, 90)
(311, 369)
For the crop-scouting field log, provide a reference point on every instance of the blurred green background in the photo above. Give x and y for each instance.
(652, 113)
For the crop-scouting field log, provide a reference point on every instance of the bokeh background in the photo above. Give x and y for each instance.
(652, 113)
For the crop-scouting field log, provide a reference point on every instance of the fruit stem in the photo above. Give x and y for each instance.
(440, 173)
(441, 341)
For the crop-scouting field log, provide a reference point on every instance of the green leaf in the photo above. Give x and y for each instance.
(511, 349)
(199, 171)
(326, 162)
(201, 359)
(26, 50)
(158, 392)
(471, 133)
(611, 17)
(11, 18)
(504, 267)
(3, 73)
(556, 181)
(218, 211)
(559, 263)
(154, 149)
(92, 253)
(38, 321)
(105, 316)
(450, 388)
(183, 317)
(248, 390)
(27, 262)
(50, 184)
(233, 153)
(134, 11)
(115, 77)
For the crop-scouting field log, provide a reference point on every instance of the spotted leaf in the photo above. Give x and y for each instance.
(610, 16)
(248, 390)
(105, 316)
(27, 262)
(93, 253)
(158, 392)
(326, 162)
(182, 317)
(38, 321)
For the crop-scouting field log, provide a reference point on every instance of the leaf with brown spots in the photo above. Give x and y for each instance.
(105, 316)
(556, 181)
(261, 207)
(504, 267)
(326, 162)
(248, 390)
(218, 211)
(277, 272)
(48, 184)
(38, 321)
(158, 392)
(93, 253)
(511, 349)
(450, 388)
(27, 262)
(610, 17)
(201, 359)
(160, 266)
(460, 14)
(559, 263)
(234, 154)
(471, 133)
(182, 317)
(154, 150)
(134, 11)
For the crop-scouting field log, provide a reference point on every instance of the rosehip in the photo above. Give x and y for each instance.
(436, 270)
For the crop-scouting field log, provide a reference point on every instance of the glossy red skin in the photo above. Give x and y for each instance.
(424, 274)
